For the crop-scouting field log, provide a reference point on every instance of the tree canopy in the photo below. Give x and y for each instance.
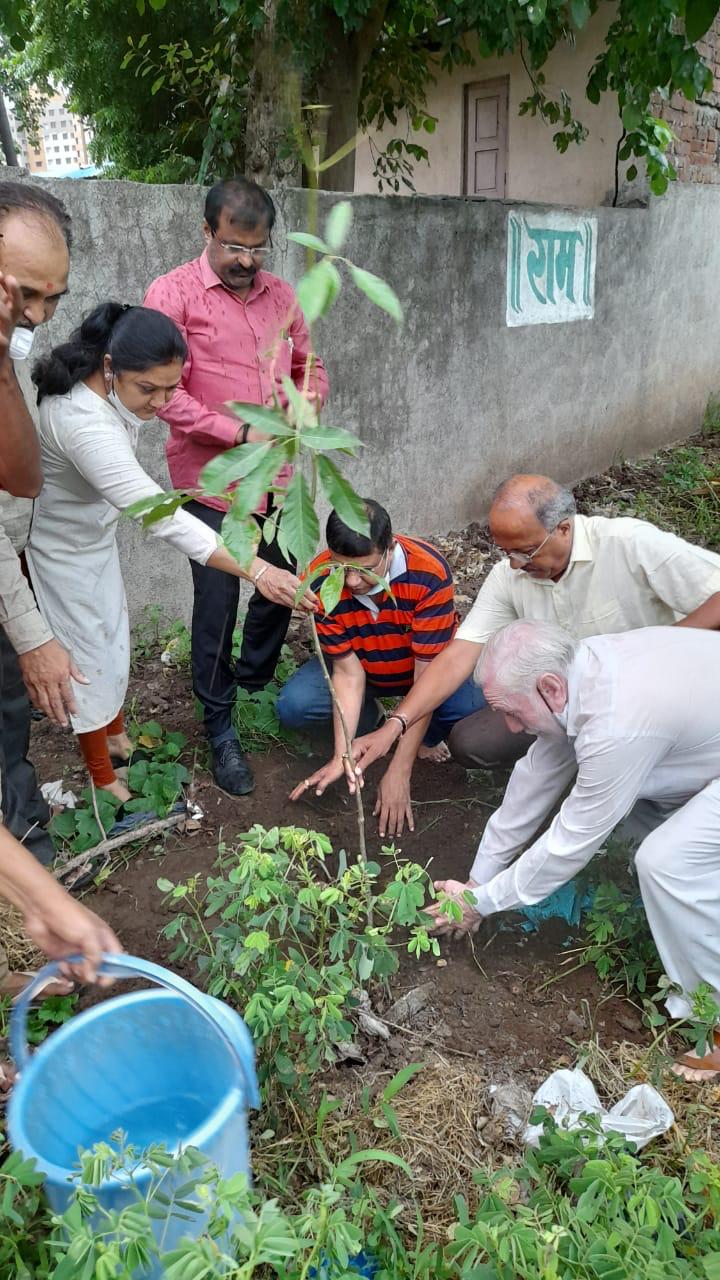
(187, 91)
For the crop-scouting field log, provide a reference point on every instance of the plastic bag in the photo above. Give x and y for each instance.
(643, 1114)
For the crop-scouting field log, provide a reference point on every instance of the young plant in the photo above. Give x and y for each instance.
(291, 947)
(243, 475)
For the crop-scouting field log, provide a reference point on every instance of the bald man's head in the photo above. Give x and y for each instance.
(531, 520)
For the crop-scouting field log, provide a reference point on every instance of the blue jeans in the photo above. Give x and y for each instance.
(305, 702)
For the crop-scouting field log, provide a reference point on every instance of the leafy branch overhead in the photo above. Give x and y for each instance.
(175, 100)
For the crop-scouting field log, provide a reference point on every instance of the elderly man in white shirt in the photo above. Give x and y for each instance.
(589, 574)
(611, 720)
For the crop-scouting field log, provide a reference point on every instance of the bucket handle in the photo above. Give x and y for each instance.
(122, 966)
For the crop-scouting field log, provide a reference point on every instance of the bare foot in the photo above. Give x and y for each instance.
(119, 745)
(15, 983)
(118, 789)
(707, 1068)
(436, 755)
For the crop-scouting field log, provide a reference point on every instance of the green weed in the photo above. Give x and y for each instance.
(271, 933)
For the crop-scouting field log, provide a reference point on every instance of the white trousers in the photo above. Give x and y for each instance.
(678, 866)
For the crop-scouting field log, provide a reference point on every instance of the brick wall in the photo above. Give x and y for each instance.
(696, 151)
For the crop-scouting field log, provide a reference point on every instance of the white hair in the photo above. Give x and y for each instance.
(518, 654)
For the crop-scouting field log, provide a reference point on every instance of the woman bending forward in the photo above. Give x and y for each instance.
(96, 392)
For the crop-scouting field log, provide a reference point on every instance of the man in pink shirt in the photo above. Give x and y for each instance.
(244, 330)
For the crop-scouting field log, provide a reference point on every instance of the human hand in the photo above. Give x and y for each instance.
(47, 672)
(322, 778)
(464, 918)
(281, 586)
(393, 806)
(11, 302)
(63, 927)
(372, 746)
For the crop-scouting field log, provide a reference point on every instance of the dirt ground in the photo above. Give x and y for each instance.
(486, 1002)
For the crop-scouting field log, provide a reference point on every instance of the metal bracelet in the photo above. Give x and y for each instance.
(398, 715)
(260, 573)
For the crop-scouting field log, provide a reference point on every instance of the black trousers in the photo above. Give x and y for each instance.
(25, 812)
(215, 676)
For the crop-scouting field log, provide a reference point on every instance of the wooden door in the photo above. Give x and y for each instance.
(486, 116)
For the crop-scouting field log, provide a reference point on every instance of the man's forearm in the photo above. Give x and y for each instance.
(706, 617)
(350, 694)
(20, 469)
(22, 879)
(440, 678)
(409, 745)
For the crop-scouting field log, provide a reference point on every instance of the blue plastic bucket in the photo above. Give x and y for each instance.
(173, 1066)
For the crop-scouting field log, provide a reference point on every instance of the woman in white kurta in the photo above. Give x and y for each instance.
(95, 393)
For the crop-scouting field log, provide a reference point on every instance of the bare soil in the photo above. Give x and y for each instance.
(487, 1001)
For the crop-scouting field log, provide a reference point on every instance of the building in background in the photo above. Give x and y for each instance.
(482, 148)
(62, 143)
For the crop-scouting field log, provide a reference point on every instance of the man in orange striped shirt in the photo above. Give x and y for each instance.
(377, 645)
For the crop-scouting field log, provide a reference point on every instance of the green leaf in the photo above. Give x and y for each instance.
(632, 117)
(248, 495)
(318, 289)
(631, 173)
(303, 411)
(338, 224)
(157, 84)
(165, 886)
(368, 1156)
(157, 507)
(699, 16)
(399, 1080)
(221, 472)
(536, 11)
(330, 593)
(348, 504)
(299, 523)
(310, 242)
(711, 1266)
(240, 535)
(317, 437)
(378, 291)
(270, 421)
(580, 10)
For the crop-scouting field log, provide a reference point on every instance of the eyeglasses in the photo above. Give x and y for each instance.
(525, 557)
(258, 253)
(365, 570)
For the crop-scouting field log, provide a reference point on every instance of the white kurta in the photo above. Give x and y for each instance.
(90, 475)
(642, 723)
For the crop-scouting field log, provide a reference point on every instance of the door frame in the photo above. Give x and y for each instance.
(502, 83)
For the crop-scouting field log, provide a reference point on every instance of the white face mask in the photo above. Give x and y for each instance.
(21, 343)
(126, 414)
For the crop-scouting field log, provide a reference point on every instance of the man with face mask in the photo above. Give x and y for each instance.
(377, 644)
(245, 331)
(589, 574)
(630, 723)
(34, 252)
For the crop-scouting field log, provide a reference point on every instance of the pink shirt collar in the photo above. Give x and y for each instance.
(210, 279)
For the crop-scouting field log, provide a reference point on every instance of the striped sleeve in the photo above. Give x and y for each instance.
(435, 618)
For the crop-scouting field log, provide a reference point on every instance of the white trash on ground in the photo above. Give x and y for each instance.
(53, 793)
(643, 1114)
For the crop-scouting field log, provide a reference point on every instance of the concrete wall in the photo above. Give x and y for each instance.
(536, 169)
(455, 401)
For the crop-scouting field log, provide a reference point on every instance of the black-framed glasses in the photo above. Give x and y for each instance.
(257, 253)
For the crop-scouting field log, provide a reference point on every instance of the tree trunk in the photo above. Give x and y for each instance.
(341, 83)
(6, 138)
(271, 155)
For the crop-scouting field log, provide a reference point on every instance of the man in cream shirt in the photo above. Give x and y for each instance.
(590, 575)
(631, 721)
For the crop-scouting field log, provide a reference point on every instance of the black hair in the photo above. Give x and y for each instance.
(344, 541)
(249, 204)
(135, 338)
(27, 197)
